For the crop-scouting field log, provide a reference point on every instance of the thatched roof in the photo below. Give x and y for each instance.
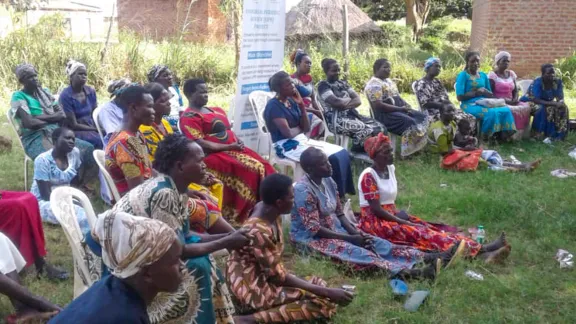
(313, 18)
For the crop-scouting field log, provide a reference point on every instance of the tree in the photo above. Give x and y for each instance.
(233, 9)
(396, 9)
(416, 14)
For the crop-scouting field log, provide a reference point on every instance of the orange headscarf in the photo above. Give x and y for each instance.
(374, 144)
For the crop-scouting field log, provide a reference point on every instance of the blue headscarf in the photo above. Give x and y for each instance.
(429, 62)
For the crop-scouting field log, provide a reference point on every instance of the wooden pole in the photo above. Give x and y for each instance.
(103, 53)
(345, 40)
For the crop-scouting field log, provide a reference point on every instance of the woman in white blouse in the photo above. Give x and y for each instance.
(378, 189)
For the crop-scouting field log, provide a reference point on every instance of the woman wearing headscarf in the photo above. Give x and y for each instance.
(546, 97)
(78, 101)
(287, 123)
(162, 74)
(143, 256)
(111, 114)
(432, 95)
(473, 85)
(305, 86)
(395, 113)
(37, 114)
(503, 83)
(340, 102)
(379, 216)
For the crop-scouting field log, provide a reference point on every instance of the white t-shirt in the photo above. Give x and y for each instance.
(387, 189)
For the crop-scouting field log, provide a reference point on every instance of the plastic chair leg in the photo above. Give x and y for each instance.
(25, 174)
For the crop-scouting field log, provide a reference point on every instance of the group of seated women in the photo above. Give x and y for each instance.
(200, 182)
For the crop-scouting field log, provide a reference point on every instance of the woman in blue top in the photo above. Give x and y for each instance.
(287, 122)
(473, 85)
(78, 101)
(546, 95)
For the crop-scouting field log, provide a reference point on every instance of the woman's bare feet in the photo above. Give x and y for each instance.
(497, 256)
(52, 272)
(495, 245)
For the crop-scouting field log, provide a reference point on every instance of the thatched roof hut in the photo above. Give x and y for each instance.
(322, 18)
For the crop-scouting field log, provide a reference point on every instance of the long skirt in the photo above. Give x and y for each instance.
(352, 124)
(338, 157)
(11, 259)
(241, 173)
(385, 256)
(20, 221)
(550, 121)
(425, 238)
(91, 137)
(413, 128)
(494, 120)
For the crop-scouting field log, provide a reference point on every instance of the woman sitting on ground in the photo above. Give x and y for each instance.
(285, 117)
(111, 115)
(546, 96)
(22, 224)
(37, 114)
(257, 276)
(319, 225)
(239, 168)
(162, 74)
(340, 102)
(144, 258)
(473, 85)
(161, 128)
(58, 167)
(432, 95)
(379, 217)
(395, 113)
(78, 101)
(203, 297)
(305, 86)
(503, 82)
(28, 307)
(459, 148)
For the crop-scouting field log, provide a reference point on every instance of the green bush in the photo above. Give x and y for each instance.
(394, 35)
(434, 35)
(567, 70)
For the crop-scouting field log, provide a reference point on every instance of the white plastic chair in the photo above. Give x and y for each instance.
(393, 137)
(327, 132)
(95, 115)
(100, 158)
(26, 157)
(87, 266)
(524, 85)
(258, 100)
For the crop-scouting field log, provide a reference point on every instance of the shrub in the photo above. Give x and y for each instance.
(567, 70)
(394, 35)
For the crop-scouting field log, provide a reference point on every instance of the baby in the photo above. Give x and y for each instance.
(463, 138)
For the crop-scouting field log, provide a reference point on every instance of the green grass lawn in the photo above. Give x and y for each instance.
(537, 211)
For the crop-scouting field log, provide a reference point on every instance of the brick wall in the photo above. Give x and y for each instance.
(164, 18)
(533, 31)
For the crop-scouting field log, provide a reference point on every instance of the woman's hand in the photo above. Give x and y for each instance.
(237, 240)
(403, 215)
(339, 296)
(511, 102)
(238, 146)
(298, 98)
(356, 239)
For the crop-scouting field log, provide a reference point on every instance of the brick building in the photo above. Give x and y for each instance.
(158, 19)
(533, 31)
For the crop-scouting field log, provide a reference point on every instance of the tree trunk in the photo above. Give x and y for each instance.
(416, 14)
(237, 29)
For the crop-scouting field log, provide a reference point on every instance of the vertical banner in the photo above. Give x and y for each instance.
(262, 55)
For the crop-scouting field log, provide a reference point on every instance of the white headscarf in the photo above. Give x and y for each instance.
(130, 243)
(72, 66)
(501, 55)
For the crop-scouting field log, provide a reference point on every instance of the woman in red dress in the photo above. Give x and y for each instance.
(239, 168)
(379, 217)
(20, 221)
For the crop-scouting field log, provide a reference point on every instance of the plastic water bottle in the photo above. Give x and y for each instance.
(480, 235)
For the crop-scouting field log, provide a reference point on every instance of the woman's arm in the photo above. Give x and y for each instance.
(461, 93)
(347, 226)
(29, 121)
(285, 130)
(19, 293)
(56, 117)
(339, 296)
(73, 124)
(211, 147)
(383, 214)
(355, 102)
(45, 189)
(388, 108)
(233, 241)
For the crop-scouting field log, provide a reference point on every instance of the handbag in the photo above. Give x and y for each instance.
(461, 160)
(491, 102)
